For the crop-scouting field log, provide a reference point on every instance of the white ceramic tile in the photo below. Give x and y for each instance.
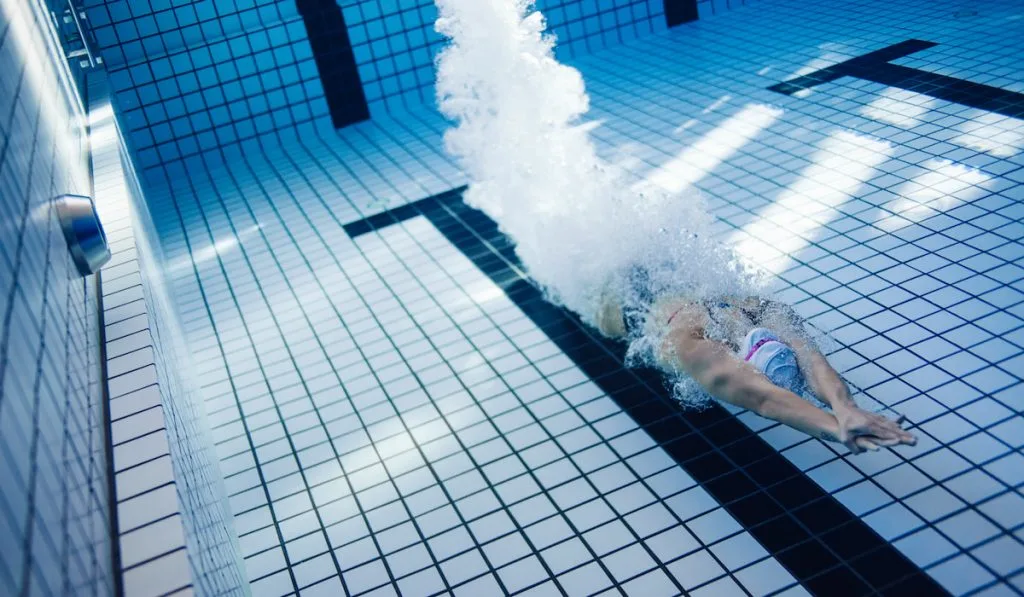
(158, 577)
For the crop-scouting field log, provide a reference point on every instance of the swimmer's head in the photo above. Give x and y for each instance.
(783, 371)
(775, 359)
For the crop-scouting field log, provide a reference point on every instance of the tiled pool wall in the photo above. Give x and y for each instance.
(188, 77)
(712, 8)
(70, 475)
(175, 529)
(395, 44)
(55, 531)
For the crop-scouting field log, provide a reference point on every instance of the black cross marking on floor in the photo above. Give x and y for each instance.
(335, 61)
(875, 66)
(826, 548)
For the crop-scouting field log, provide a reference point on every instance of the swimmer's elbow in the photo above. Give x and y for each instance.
(762, 404)
(727, 383)
(719, 380)
(720, 386)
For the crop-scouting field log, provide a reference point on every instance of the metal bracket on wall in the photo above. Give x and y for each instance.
(83, 232)
(75, 37)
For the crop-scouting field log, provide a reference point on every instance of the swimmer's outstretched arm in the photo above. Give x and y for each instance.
(824, 381)
(714, 367)
(826, 384)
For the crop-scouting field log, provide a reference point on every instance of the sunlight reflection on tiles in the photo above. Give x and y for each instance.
(993, 134)
(937, 190)
(201, 255)
(696, 160)
(898, 107)
(830, 54)
(840, 167)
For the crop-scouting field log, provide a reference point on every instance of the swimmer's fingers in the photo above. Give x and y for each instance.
(870, 438)
(860, 443)
(887, 441)
(885, 428)
(892, 437)
(853, 445)
(908, 437)
(861, 431)
(896, 433)
(865, 443)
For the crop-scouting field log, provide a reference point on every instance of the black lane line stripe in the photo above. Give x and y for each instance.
(875, 67)
(826, 548)
(335, 61)
(678, 12)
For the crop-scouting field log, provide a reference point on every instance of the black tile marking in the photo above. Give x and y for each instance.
(332, 52)
(678, 12)
(950, 89)
(405, 212)
(826, 548)
(838, 582)
(875, 67)
(831, 73)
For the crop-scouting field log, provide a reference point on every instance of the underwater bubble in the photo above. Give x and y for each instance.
(579, 224)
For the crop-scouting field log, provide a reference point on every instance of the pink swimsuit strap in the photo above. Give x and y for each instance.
(758, 345)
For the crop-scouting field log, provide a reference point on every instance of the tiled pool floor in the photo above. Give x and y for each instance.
(391, 416)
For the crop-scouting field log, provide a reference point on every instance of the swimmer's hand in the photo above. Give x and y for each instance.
(860, 430)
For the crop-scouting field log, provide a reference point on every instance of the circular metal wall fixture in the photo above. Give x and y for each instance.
(83, 232)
